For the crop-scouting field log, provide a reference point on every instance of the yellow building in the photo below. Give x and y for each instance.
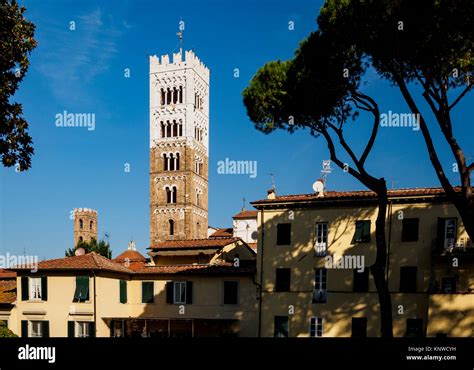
(189, 288)
(314, 252)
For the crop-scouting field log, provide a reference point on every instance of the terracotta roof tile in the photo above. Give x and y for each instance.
(130, 255)
(352, 195)
(6, 274)
(7, 291)
(245, 215)
(226, 232)
(253, 246)
(89, 261)
(195, 243)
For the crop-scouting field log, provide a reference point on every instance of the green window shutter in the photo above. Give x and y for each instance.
(147, 292)
(169, 292)
(44, 288)
(45, 329)
(25, 291)
(82, 289)
(70, 329)
(189, 292)
(92, 329)
(123, 291)
(366, 231)
(24, 328)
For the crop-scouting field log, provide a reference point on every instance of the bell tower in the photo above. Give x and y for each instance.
(179, 147)
(85, 225)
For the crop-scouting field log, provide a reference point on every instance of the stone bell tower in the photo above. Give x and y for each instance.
(85, 225)
(179, 147)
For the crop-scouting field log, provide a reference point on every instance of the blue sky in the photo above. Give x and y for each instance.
(83, 71)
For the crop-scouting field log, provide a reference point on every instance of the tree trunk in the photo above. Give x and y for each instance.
(378, 268)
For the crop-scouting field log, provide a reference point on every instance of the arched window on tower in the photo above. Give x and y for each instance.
(165, 162)
(175, 95)
(181, 94)
(81, 224)
(198, 198)
(168, 129)
(168, 194)
(168, 96)
(171, 227)
(175, 128)
(171, 162)
(177, 162)
(180, 128)
(81, 239)
(174, 194)
(163, 131)
(91, 225)
(162, 97)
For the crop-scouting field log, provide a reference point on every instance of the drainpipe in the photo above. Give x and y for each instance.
(261, 277)
(95, 306)
(389, 238)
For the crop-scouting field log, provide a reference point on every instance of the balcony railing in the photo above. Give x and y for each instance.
(452, 247)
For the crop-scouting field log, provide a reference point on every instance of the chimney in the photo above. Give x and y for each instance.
(271, 194)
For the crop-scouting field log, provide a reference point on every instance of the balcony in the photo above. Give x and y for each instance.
(451, 248)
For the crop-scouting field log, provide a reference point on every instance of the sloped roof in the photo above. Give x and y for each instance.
(220, 268)
(226, 232)
(352, 195)
(89, 261)
(131, 256)
(6, 274)
(195, 243)
(245, 214)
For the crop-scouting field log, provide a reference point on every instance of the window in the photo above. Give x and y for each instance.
(81, 293)
(147, 292)
(283, 234)
(316, 327)
(448, 285)
(231, 292)
(281, 327)
(362, 234)
(321, 245)
(82, 329)
(179, 292)
(408, 279)
(282, 280)
(410, 229)
(81, 223)
(361, 281)
(171, 193)
(35, 289)
(198, 199)
(91, 225)
(81, 239)
(414, 328)
(359, 327)
(447, 232)
(171, 227)
(36, 329)
(320, 286)
(123, 291)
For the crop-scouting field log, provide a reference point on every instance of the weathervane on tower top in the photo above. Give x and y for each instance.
(180, 35)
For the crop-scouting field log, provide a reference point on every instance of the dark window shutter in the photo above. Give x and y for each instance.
(123, 291)
(45, 329)
(24, 328)
(82, 289)
(189, 292)
(25, 291)
(283, 234)
(169, 292)
(282, 279)
(92, 329)
(70, 329)
(44, 288)
(367, 231)
(147, 292)
(112, 325)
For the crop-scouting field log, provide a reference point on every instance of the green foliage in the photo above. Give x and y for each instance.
(5, 332)
(16, 42)
(102, 247)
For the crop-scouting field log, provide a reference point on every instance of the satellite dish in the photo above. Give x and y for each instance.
(80, 252)
(318, 187)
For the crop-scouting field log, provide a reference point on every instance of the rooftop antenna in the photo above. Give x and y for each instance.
(243, 205)
(180, 35)
(326, 171)
(273, 181)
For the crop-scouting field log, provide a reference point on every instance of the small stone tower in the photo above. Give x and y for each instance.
(179, 147)
(85, 225)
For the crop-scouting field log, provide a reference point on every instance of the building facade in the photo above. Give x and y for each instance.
(314, 254)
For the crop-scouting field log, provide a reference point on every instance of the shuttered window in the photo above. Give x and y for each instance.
(147, 292)
(123, 291)
(81, 293)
